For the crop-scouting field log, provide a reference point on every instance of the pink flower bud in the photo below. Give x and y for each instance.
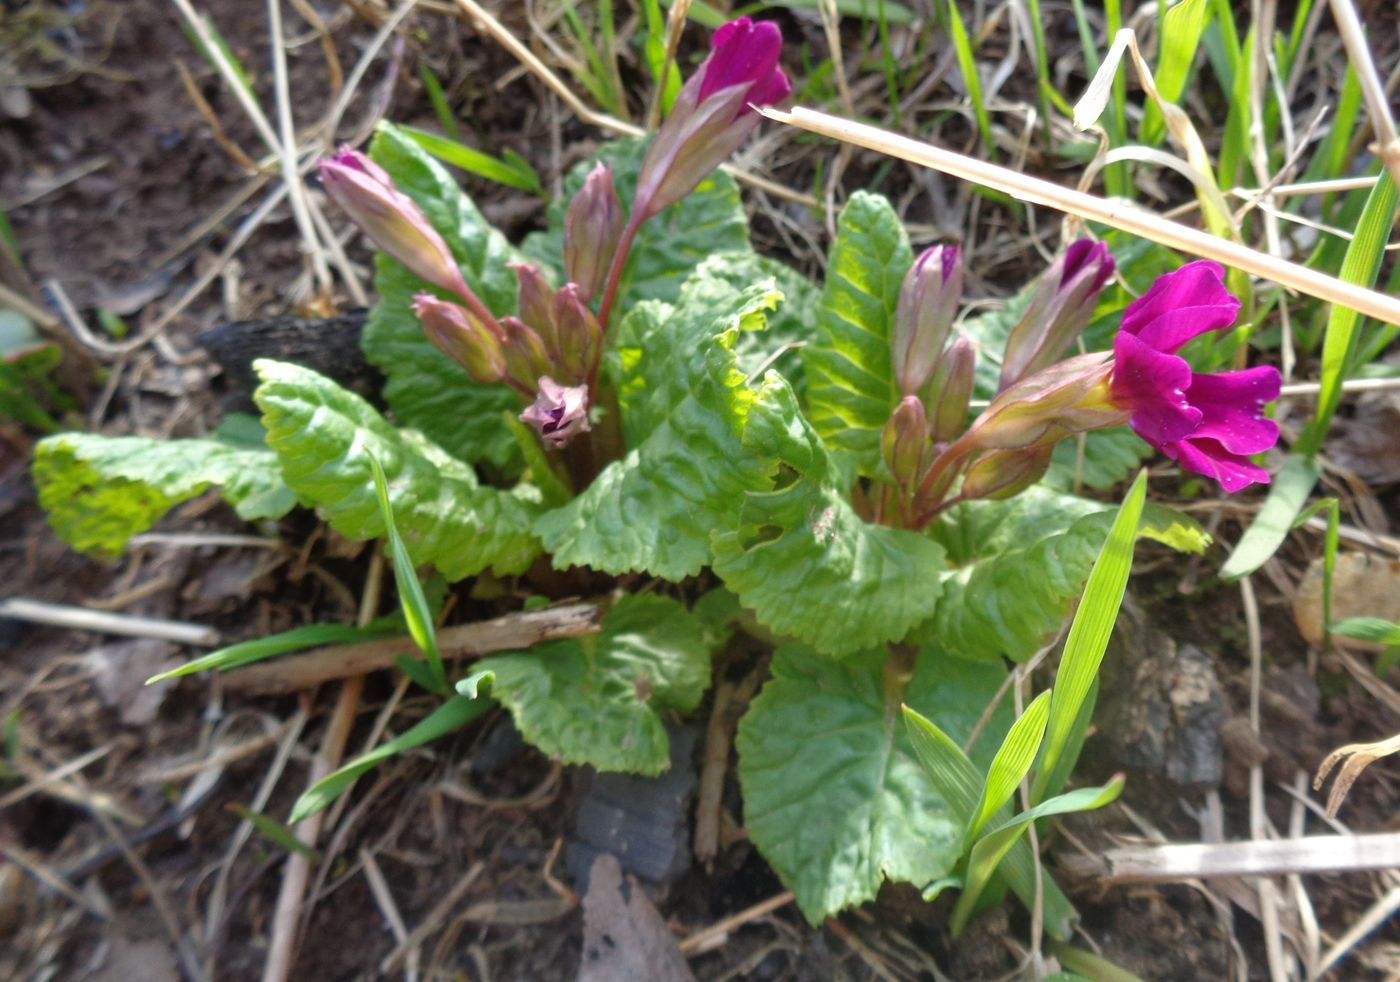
(536, 304)
(1063, 302)
(461, 336)
(559, 412)
(526, 358)
(905, 445)
(1006, 473)
(580, 336)
(1069, 397)
(711, 116)
(949, 390)
(592, 229)
(928, 302)
(390, 218)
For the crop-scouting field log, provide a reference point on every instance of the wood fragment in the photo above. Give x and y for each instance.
(505, 633)
(1172, 862)
(103, 622)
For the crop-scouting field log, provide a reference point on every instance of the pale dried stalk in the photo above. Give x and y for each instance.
(1270, 857)
(1372, 90)
(103, 622)
(1117, 214)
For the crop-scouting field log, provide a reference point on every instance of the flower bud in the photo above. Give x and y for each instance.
(1070, 397)
(526, 358)
(1060, 308)
(711, 116)
(462, 337)
(949, 390)
(592, 229)
(928, 301)
(559, 412)
(536, 304)
(904, 443)
(390, 218)
(1005, 473)
(579, 335)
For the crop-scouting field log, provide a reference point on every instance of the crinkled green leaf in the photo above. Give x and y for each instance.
(424, 387)
(321, 433)
(850, 376)
(597, 699)
(805, 562)
(834, 797)
(684, 406)
(1110, 457)
(669, 246)
(1019, 565)
(99, 491)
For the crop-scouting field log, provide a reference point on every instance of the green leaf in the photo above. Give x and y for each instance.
(684, 405)
(258, 649)
(1089, 634)
(1272, 523)
(1019, 564)
(274, 831)
(452, 151)
(850, 376)
(99, 491)
(1180, 40)
(668, 247)
(414, 603)
(452, 715)
(324, 435)
(805, 562)
(1372, 629)
(424, 388)
(834, 797)
(1110, 457)
(960, 782)
(989, 851)
(1012, 763)
(598, 699)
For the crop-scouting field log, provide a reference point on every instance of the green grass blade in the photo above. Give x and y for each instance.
(960, 783)
(1089, 634)
(1012, 762)
(989, 851)
(438, 98)
(452, 715)
(515, 172)
(1361, 266)
(248, 652)
(238, 71)
(275, 832)
(664, 75)
(967, 64)
(1180, 39)
(416, 611)
(1372, 629)
(1287, 496)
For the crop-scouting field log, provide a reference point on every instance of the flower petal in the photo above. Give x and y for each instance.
(1152, 386)
(1232, 408)
(1180, 305)
(741, 51)
(1209, 457)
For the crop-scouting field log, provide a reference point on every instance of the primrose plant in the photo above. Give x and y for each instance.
(634, 390)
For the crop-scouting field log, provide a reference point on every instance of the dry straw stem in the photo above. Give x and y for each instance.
(1372, 90)
(1358, 757)
(1172, 863)
(1116, 214)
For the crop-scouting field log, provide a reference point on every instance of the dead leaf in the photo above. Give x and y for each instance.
(1362, 586)
(624, 938)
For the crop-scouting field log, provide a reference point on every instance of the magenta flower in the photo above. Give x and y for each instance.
(559, 413)
(1210, 424)
(712, 115)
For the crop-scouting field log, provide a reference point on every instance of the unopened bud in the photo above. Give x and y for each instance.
(928, 302)
(1072, 396)
(536, 304)
(1005, 473)
(559, 412)
(904, 443)
(462, 337)
(526, 358)
(1061, 306)
(949, 390)
(592, 228)
(391, 218)
(579, 335)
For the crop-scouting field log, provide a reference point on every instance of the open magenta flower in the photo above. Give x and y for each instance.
(1210, 424)
(559, 413)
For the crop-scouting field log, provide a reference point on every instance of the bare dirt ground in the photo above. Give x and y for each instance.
(121, 807)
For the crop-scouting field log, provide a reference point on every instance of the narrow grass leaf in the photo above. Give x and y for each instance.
(1181, 30)
(416, 611)
(438, 98)
(967, 64)
(960, 783)
(1287, 496)
(452, 715)
(1372, 629)
(1089, 634)
(275, 831)
(1012, 762)
(258, 649)
(987, 854)
(515, 172)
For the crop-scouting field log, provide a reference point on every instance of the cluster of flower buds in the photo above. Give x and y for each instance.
(934, 377)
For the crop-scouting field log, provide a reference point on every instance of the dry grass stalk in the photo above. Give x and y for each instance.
(1116, 214)
(104, 622)
(1358, 757)
(717, 933)
(1177, 862)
